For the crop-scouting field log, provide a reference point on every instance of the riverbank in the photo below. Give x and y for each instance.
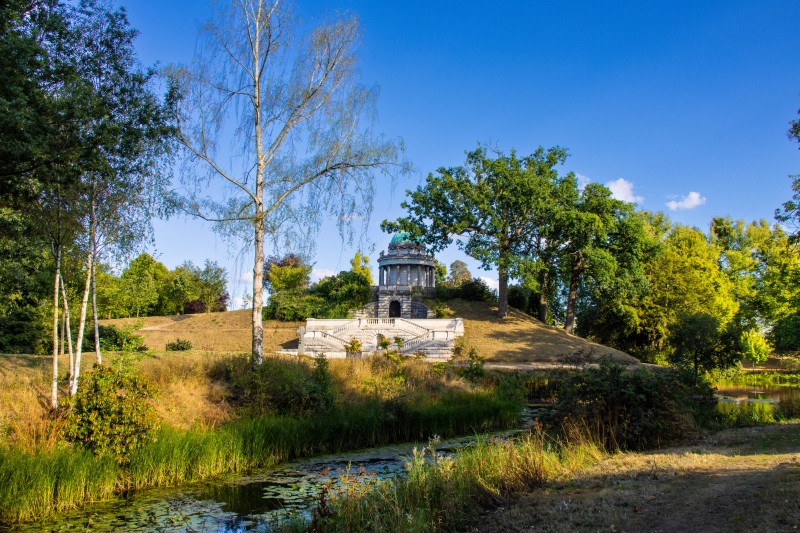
(287, 409)
(744, 479)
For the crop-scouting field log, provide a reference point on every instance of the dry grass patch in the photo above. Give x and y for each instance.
(741, 480)
(217, 332)
(520, 338)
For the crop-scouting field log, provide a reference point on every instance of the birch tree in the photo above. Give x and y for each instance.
(277, 118)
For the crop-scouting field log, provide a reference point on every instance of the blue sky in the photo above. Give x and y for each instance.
(680, 106)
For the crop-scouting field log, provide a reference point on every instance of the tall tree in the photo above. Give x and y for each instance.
(459, 273)
(790, 213)
(490, 204)
(589, 227)
(213, 280)
(360, 263)
(301, 116)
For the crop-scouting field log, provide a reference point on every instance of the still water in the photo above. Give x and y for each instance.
(728, 391)
(257, 502)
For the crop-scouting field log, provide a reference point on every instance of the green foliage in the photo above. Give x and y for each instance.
(353, 347)
(755, 347)
(178, 345)
(785, 334)
(360, 265)
(475, 290)
(286, 387)
(701, 344)
(289, 277)
(746, 414)
(332, 297)
(116, 339)
(638, 409)
(493, 205)
(449, 493)
(459, 274)
(112, 413)
(33, 486)
(442, 310)
(473, 368)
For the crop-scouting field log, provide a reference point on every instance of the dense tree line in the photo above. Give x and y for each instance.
(83, 140)
(147, 287)
(579, 258)
(292, 296)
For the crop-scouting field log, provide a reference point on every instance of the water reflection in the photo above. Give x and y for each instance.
(257, 502)
(735, 392)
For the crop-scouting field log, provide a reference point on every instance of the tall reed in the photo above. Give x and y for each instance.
(443, 493)
(35, 485)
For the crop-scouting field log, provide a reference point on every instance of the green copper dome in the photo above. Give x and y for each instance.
(405, 237)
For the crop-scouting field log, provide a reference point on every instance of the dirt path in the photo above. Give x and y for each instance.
(738, 480)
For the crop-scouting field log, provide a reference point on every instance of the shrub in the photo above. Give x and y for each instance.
(287, 387)
(474, 369)
(116, 339)
(477, 290)
(633, 409)
(179, 345)
(112, 412)
(442, 310)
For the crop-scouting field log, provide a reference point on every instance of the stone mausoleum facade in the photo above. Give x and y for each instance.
(406, 276)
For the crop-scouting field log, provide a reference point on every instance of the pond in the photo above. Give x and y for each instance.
(255, 502)
(732, 391)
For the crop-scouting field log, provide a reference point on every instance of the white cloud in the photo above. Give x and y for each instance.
(583, 180)
(690, 201)
(319, 273)
(622, 189)
(491, 282)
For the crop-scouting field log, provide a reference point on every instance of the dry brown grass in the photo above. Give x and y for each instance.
(215, 332)
(741, 480)
(520, 338)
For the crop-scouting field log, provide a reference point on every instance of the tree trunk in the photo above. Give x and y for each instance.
(543, 288)
(502, 290)
(97, 351)
(257, 355)
(572, 299)
(502, 280)
(68, 326)
(56, 284)
(82, 325)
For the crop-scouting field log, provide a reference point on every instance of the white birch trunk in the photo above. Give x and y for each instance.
(54, 380)
(68, 327)
(97, 351)
(82, 324)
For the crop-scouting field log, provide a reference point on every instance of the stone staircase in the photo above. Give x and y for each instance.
(434, 338)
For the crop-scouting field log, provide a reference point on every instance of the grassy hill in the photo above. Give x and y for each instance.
(516, 339)
(214, 332)
(520, 338)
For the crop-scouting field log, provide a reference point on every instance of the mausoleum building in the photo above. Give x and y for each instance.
(406, 276)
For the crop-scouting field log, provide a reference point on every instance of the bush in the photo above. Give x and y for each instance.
(112, 412)
(475, 290)
(178, 345)
(292, 306)
(633, 409)
(287, 387)
(115, 339)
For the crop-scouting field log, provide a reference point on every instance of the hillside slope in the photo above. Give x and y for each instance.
(518, 338)
(214, 332)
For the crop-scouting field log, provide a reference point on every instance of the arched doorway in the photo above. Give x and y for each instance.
(394, 309)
